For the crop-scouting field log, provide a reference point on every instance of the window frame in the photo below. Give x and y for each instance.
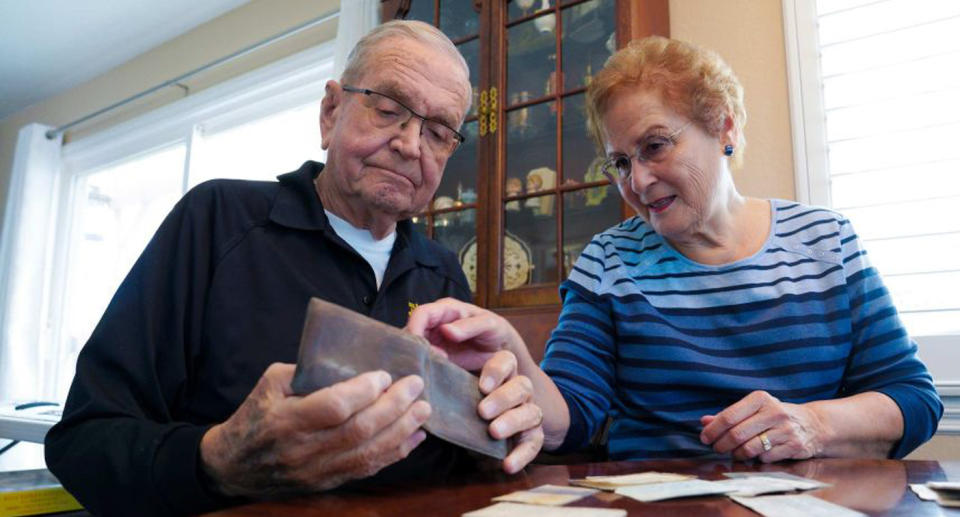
(941, 353)
(284, 84)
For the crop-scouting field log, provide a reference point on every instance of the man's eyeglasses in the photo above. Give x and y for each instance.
(387, 112)
(652, 148)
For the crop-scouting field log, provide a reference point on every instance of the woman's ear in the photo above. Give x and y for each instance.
(731, 133)
(329, 111)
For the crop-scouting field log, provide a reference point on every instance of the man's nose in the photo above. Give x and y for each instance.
(407, 141)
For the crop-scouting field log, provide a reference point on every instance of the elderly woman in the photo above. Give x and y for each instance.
(712, 323)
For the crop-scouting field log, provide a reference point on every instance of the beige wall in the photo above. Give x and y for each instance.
(234, 30)
(748, 33)
(749, 36)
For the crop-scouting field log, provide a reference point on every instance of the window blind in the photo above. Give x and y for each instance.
(890, 80)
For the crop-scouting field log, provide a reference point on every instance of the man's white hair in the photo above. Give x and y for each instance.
(365, 49)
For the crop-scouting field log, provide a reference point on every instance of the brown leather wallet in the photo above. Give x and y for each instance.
(338, 344)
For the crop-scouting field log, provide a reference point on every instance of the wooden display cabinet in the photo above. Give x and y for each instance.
(523, 196)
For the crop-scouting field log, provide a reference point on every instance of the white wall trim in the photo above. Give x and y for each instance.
(300, 76)
(950, 394)
(811, 177)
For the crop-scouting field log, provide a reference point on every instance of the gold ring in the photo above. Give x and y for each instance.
(765, 442)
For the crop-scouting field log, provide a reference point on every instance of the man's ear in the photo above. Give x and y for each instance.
(329, 111)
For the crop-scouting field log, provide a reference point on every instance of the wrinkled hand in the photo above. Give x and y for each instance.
(792, 430)
(277, 442)
(475, 338)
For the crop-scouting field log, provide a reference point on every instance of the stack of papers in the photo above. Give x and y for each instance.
(742, 487)
(529, 510)
(642, 478)
(548, 495)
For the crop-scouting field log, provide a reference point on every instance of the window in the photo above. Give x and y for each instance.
(875, 100)
(118, 185)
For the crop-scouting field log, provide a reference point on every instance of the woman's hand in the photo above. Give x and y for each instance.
(761, 426)
(477, 339)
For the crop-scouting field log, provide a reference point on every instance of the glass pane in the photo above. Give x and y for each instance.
(532, 147)
(519, 8)
(589, 38)
(261, 149)
(532, 58)
(924, 253)
(903, 219)
(931, 323)
(926, 180)
(458, 19)
(530, 244)
(457, 231)
(880, 17)
(471, 53)
(580, 161)
(459, 182)
(421, 10)
(586, 213)
(116, 211)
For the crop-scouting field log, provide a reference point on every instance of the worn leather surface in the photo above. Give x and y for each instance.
(338, 344)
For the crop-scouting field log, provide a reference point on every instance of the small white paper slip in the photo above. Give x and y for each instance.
(800, 483)
(639, 478)
(550, 495)
(795, 506)
(662, 491)
(529, 510)
(753, 486)
(924, 492)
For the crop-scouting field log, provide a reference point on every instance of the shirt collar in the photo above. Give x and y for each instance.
(298, 206)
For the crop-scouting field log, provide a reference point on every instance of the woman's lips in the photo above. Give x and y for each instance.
(661, 204)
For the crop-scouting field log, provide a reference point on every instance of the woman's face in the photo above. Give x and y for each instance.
(677, 189)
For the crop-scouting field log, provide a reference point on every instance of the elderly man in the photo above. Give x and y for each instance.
(182, 399)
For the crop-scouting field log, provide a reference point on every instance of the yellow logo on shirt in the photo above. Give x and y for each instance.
(412, 306)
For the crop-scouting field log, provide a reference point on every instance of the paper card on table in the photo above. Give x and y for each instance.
(924, 492)
(529, 510)
(753, 486)
(640, 478)
(800, 483)
(673, 490)
(550, 495)
(944, 497)
(795, 506)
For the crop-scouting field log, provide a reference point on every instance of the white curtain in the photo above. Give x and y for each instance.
(24, 255)
(357, 17)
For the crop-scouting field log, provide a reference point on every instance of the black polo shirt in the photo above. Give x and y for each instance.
(219, 294)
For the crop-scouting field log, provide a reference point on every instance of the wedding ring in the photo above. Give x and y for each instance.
(765, 442)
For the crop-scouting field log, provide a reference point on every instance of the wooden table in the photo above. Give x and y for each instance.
(875, 487)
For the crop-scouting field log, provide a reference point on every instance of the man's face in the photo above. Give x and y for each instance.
(391, 171)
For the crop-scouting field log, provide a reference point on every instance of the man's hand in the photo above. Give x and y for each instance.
(761, 426)
(277, 442)
(475, 338)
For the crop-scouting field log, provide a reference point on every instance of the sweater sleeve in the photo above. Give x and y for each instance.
(581, 353)
(120, 449)
(883, 357)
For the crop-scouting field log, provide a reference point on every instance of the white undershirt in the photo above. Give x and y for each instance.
(375, 252)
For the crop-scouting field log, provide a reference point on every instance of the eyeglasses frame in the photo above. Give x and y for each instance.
(365, 91)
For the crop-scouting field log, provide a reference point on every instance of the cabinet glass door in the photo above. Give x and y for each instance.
(451, 218)
(553, 197)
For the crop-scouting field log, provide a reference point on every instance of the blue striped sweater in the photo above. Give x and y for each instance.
(656, 341)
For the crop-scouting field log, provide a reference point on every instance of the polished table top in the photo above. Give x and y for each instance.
(875, 487)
